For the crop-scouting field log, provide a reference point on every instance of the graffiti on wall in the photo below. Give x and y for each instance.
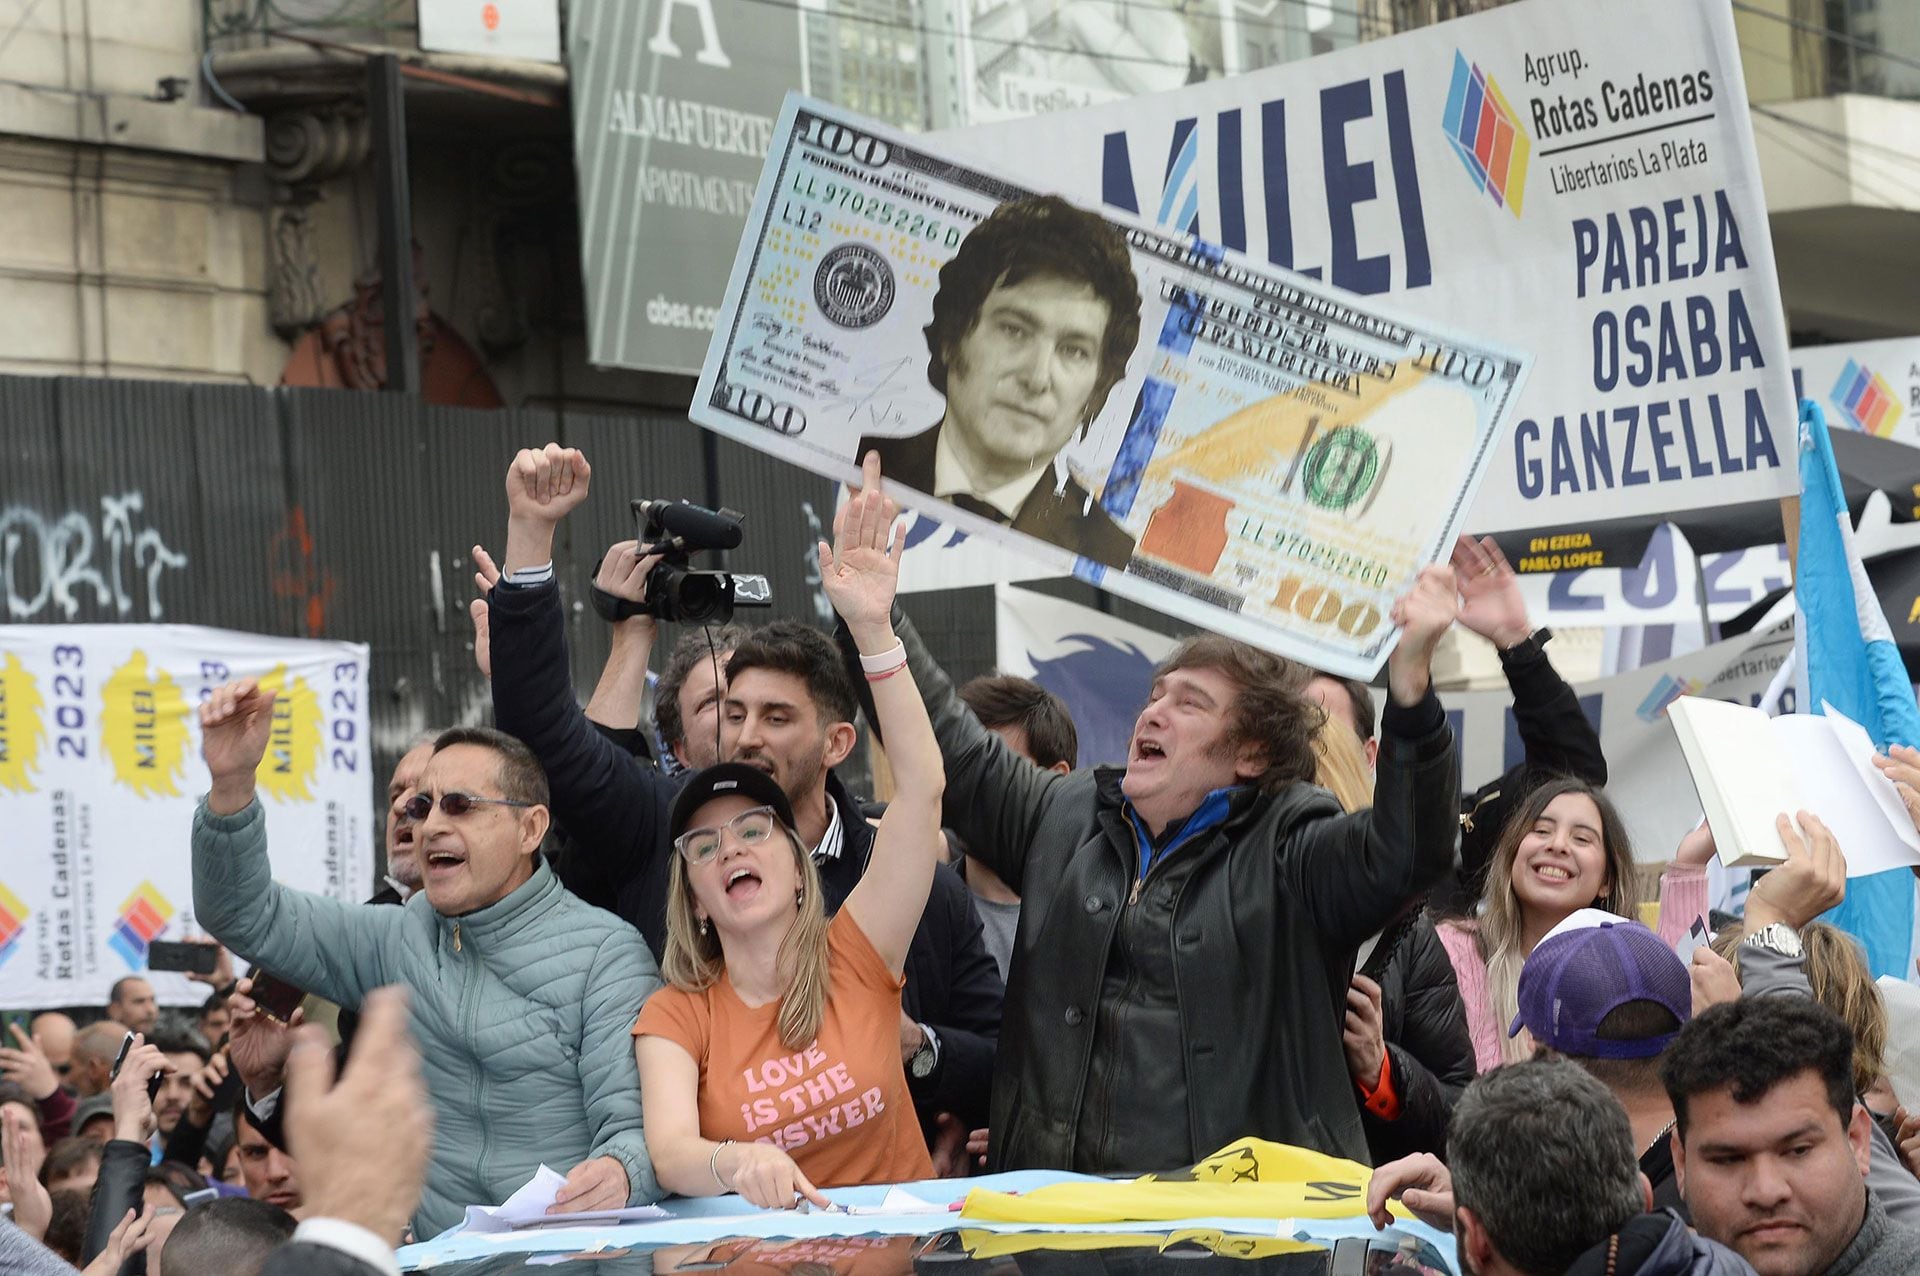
(53, 565)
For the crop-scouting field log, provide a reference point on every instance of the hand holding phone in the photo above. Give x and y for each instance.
(275, 996)
(136, 1080)
(258, 1042)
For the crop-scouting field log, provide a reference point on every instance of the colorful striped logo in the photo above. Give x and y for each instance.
(1664, 693)
(1485, 133)
(13, 920)
(1866, 399)
(142, 918)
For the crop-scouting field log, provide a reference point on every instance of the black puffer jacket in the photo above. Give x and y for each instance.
(1152, 1020)
(1430, 1051)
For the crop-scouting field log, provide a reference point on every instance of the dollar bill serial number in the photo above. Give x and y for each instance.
(811, 194)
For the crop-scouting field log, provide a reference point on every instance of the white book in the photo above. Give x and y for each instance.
(1749, 768)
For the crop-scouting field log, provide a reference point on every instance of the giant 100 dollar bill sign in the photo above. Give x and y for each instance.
(1254, 451)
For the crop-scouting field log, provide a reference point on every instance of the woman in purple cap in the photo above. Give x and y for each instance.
(770, 1063)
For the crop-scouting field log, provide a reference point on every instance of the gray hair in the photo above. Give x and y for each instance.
(1543, 1156)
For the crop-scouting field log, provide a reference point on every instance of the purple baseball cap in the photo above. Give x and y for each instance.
(1573, 980)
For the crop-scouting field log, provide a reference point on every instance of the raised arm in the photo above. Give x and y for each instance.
(326, 946)
(611, 804)
(623, 681)
(861, 573)
(1555, 734)
(1355, 871)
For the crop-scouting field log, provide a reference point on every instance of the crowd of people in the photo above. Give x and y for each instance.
(691, 961)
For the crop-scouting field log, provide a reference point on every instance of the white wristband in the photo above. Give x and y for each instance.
(885, 661)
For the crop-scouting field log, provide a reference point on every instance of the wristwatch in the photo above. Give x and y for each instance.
(1532, 645)
(927, 1057)
(1778, 938)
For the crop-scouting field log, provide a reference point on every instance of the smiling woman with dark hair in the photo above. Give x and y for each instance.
(1564, 849)
(769, 1064)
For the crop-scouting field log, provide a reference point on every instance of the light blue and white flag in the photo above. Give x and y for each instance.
(1847, 658)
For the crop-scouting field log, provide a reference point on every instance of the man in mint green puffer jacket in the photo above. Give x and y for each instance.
(523, 995)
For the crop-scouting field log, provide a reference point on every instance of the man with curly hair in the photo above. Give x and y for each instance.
(1032, 325)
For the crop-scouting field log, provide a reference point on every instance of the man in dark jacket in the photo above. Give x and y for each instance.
(1188, 921)
(1543, 1182)
(789, 711)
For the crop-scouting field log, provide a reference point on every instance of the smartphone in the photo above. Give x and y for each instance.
(126, 1047)
(193, 959)
(276, 998)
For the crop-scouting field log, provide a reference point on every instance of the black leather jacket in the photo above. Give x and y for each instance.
(123, 1178)
(1153, 1020)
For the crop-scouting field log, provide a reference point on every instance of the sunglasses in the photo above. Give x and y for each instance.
(455, 804)
(750, 828)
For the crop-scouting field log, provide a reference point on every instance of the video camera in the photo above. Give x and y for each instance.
(676, 530)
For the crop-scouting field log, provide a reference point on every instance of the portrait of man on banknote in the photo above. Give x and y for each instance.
(1033, 323)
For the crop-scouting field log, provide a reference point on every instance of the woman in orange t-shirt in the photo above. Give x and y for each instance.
(770, 1063)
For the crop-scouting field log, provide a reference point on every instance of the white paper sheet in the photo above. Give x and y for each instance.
(528, 1207)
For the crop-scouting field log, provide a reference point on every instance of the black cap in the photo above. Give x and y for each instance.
(726, 780)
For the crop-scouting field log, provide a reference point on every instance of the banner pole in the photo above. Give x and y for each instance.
(1790, 523)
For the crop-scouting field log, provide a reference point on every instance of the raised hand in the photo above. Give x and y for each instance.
(1713, 978)
(222, 968)
(623, 573)
(257, 1043)
(1696, 849)
(1424, 615)
(1901, 764)
(546, 484)
(24, 1154)
(206, 1086)
(486, 574)
(28, 1067)
(363, 1144)
(235, 723)
(1813, 879)
(134, 1234)
(1908, 1139)
(1491, 604)
(860, 571)
(132, 1105)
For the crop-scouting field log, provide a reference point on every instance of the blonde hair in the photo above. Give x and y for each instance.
(1502, 927)
(1340, 765)
(1840, 981)
(693, 960)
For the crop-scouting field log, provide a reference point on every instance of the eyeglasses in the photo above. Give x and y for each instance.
(750, 828)
(455, 804)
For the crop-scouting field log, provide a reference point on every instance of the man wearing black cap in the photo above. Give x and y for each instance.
(1611, 998)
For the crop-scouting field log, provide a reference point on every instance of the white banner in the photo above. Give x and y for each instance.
(1576, 179)
(1100, 665)
(1870, 386)
(100, 771)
